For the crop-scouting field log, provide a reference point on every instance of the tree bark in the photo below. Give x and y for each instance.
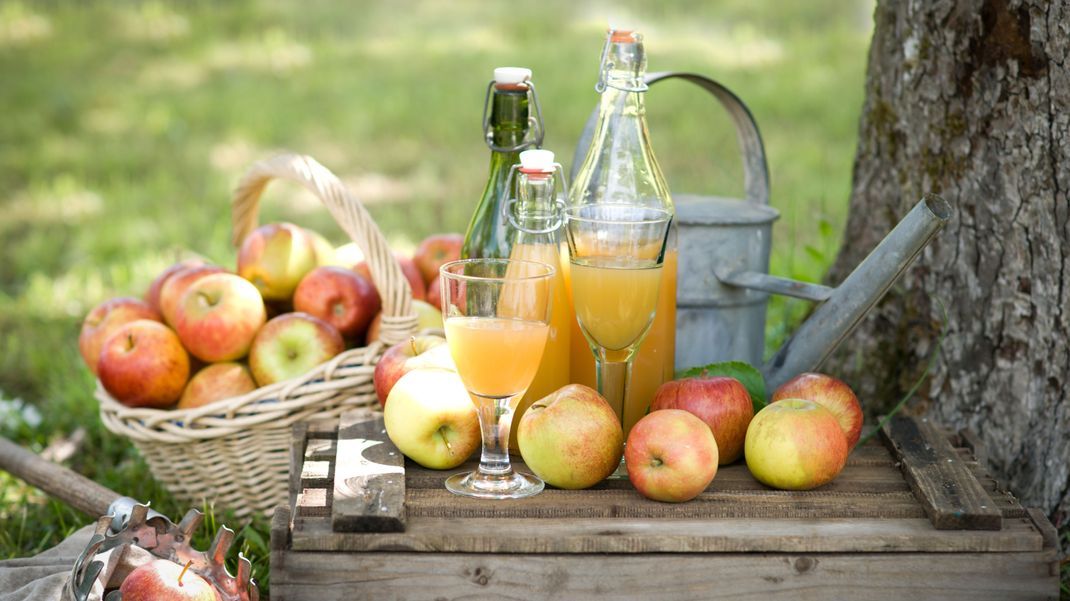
(971, 99)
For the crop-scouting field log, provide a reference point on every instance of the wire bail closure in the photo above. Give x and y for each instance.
(536, 132)
(603, 73)
(559, 201)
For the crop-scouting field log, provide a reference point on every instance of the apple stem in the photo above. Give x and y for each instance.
(412, 343)
(183, 573)
(449, 447)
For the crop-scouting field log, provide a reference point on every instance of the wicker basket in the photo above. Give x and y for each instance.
(234, 453)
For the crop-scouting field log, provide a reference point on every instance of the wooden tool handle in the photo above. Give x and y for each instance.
(72, 488)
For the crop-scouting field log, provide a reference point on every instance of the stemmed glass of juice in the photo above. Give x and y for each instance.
(497, 315)
(616, 253)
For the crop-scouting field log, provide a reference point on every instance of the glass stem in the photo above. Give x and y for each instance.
(495, 422)
(613, 377)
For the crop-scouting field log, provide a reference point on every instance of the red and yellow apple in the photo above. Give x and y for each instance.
(348, 255)
(321, 247)
(143, 364)
(164, 580)
(721, 402)
(274, 257)
(571, 438)
(671, 456)
(435, 251)
(218, 317)
(339, 296)
(434, 293)
(290, 345)
(175, 288)
(152, 295)
(102, 322)
(215, 382)
(431, 419)
(404, 357)
(795, 444)
(427, 318)
(830, 393)
(408, 269)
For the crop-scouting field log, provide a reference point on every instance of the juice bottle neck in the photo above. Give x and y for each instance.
(536, 214)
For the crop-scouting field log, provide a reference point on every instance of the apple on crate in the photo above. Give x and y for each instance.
(216, 382)
(274, 257)
(218, 317)
(435, 251)
(165, 580)
(719, 401)
(830, 393)
(175, 288)
(795, 444)
(415, 353)
(143, 364)
(671, 456)
(341, 297)
(152, 295)
(290, 345)
(431, 419)
(571, 438)
(427, 318)
(408, 269)
(104, 320)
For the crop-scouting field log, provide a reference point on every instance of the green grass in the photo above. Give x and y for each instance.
(125, 125)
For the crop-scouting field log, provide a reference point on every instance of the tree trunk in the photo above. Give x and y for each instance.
(971, 99)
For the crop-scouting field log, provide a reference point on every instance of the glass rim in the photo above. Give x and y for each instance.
(443, 270)
(665, 215)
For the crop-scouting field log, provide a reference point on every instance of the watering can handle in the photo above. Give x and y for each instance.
(755, 169)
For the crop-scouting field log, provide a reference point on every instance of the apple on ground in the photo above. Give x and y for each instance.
(435, 251)
(290, 345)
(721, 402)
(339, 296)
(408, 269)
(274, 257)
(431, 419)
(830, 393)
(321, 247)
(104, 319)
(671, 456)
(427, 318)
(218, 317)
(152, 295)
(434, 293)
(404, 357)
(143, 364)
(795, 444)
(165, 580)
(175, 288)
(216, 382)
(571, 438)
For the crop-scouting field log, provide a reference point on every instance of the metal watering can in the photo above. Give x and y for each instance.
(724, 283)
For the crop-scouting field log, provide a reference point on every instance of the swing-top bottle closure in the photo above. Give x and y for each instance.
(621, 41)
(513, 79)
(538, 165)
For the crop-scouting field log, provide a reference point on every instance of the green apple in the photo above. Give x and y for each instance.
(794, 444)
(290, 345)
(431, 419)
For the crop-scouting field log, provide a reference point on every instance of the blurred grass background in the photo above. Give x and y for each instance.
(125, 125)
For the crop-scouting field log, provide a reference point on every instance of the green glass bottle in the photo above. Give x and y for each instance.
(509, 128)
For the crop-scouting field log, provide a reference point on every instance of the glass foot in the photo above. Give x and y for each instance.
(621, 473)
(514, 485)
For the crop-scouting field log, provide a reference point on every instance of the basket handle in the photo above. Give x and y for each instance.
(399, 319)
(755, 168)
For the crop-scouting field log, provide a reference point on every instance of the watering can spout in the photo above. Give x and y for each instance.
(832, 321)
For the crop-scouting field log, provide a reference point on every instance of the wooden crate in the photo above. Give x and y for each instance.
(914, 517)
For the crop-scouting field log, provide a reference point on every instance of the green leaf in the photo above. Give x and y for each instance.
(747, 375)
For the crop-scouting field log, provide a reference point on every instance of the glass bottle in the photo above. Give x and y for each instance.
(620, 168)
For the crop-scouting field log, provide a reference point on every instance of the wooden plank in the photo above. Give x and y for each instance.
(298, 439)
(629, 536)
(369, 477)
(734, 576)
(945, 486)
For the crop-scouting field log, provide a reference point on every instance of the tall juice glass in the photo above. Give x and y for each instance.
(497, 319)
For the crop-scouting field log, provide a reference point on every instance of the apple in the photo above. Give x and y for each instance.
(342, 298)
(435, 251)
(795, 444)
(143, 364)
(218, 317)
(164, 580)
(408, 269)
(830, 393)
(321, 247)
(427, 318)
(348, 255)
(723, 403)
(274, 257)
(571, 438)
(404, 357)
(434, 293)
(671, 456)
(175, 287)
(431, 419)
(152, 295)
(290, 345)
(215, 382)
(102, 322)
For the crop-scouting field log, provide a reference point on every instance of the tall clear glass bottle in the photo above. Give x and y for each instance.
(620, 168)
